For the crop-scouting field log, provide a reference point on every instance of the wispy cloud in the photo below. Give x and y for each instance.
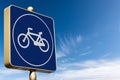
(79, 38)
(71, 44)
(107, 54)
(86, 51)
(66, 45)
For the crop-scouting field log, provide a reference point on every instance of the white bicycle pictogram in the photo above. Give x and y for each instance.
(40, 42)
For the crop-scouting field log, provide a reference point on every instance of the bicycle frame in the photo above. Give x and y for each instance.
(39, 38)
(42, 43)
(33, 34)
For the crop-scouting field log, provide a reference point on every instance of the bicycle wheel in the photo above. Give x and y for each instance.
(23, 40)
(46, 47)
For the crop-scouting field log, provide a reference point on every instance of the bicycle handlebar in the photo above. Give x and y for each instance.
(30, 29)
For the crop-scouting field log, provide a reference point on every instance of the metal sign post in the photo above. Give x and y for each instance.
(32, 75)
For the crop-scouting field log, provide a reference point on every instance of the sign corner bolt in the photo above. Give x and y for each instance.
(30, 8)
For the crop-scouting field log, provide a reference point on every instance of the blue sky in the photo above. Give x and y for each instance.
(87, 39)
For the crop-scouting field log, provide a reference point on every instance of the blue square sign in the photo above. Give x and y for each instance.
(29, 40)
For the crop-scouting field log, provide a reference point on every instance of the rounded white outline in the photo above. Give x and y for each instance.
(18, 39)
(47, 45)
(16, 47)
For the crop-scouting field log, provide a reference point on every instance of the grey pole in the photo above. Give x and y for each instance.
(32, 75)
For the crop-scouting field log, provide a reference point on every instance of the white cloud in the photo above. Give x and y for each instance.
(24, 78)
(93, 70)
(86, 51)
(87, 70)
(9, 71)
(66, 45)
(60, 54)
(11, 74)
(79, 38)
(107, 55)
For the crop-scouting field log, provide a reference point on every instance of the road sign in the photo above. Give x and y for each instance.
(29, 40)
